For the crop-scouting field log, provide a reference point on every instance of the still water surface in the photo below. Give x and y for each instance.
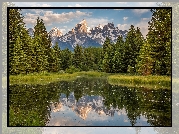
(88, 102)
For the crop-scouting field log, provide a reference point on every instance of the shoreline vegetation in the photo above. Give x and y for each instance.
(149, 82)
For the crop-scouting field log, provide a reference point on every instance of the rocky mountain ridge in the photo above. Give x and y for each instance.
(84, 36)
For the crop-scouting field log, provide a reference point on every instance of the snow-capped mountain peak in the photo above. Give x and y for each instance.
(85, 36)
(55, 32)
(100, 26)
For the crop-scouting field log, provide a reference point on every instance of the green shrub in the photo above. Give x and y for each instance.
(61, 72)
(72, 69)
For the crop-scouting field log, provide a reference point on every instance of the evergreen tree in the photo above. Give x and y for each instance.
(108, 53)
(118, 59)
(144, 65)
(40, 58)
(42, 44)
(108, 60)
(18, 33)
(29, 51)
(96, 53)
(78, 56)
(66, 59)
(134, 41)
(88, 59)
(159, 38)
(106, 44)
(18, 62)
(54, 59)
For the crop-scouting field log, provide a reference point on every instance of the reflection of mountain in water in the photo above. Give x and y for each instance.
(87, 97)
(83, 106)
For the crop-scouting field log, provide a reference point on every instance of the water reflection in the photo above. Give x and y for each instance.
(88, 102)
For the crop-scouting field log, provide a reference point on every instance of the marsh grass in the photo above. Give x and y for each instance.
(151, 82)
(45, 77)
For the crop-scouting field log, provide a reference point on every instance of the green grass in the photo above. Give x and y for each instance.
(45, 78)
(150, 82)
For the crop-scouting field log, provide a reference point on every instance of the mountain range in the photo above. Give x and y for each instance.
(85, 36)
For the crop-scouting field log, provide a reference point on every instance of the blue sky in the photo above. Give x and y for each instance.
(66, 19)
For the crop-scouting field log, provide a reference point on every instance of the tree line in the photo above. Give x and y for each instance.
(134, 54)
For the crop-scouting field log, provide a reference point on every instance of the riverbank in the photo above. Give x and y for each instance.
(151, 82)
(45, 78)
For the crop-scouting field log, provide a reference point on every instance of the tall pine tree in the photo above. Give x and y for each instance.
(108, 53)
(78, 56)
(54, 59)
(18, 34)
(118, 59)
(42, 44)
(134, 41)
(66, 59)
(144, 64)
(159, 38)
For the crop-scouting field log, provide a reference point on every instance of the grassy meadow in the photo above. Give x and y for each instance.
(150, 82)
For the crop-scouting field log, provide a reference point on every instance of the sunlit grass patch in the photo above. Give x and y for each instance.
(41, 79)
(45, 77)
(153, 82)
(92, 74)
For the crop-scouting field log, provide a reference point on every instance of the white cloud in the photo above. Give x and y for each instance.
(143, 25)
(146, 19)
(63, 31)
(140, 11)
(125, 18)
(123, 26)
(50, 17)
(92, 22)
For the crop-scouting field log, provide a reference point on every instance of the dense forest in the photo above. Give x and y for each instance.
(134, 54)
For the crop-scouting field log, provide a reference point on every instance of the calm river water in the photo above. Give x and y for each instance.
(88, 102)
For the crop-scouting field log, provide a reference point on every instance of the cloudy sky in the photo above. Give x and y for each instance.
(66, 19)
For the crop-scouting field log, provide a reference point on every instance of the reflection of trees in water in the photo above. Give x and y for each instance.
(29, 104)
(152, 104)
